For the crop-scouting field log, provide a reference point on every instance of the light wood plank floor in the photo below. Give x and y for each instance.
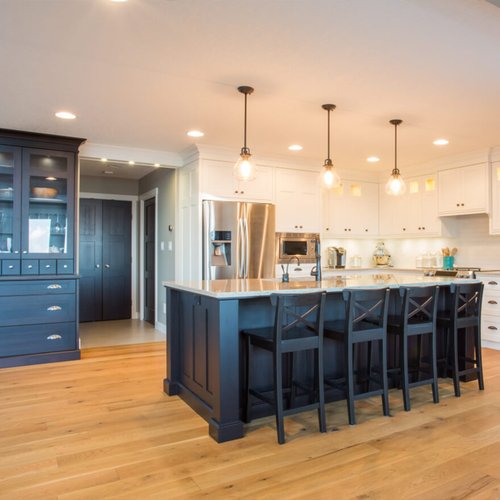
(102, 427)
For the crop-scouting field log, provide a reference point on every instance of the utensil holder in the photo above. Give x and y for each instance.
(448, 261)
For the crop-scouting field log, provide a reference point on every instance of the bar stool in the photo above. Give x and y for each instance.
(464, 315)
(298, 326)
(365, 322)
(417, 318)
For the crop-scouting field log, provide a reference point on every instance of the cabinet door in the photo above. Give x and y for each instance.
(475, 192)
(297, 201)
(449, 191)
(364, 208)
(393, 214)
(10, 202)
(495, 204)
(429, 220)
(48, 204)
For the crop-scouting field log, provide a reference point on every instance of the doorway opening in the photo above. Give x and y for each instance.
(149, 242)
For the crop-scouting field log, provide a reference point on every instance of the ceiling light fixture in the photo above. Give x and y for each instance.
(65, 115)
(244, 170)
(131, 162)
(441, 142)
(395, 185)
(195, 133)
(373, 159)
(104, 160)
(330, 176)
(157, 164)
(295, 147)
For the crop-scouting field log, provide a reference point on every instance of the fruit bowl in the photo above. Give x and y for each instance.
(44, 192)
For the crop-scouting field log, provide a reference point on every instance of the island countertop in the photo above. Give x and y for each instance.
(246, 288)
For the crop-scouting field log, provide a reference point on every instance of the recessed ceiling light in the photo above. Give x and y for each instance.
(373, 159)
(440, 142)
(131, 162)
(104, 160)
(65, 115)
(295, 147)
(157, 164)
(50, 178)
(195, 133)
(118, 1)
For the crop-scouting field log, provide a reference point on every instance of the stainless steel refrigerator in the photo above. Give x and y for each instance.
(238, 240)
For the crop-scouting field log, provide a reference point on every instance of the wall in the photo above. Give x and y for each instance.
(164, 180)
(108, 185)
(468, 233)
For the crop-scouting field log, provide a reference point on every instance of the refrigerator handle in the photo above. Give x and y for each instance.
(247, 250)
(207, 217)
(241, 249)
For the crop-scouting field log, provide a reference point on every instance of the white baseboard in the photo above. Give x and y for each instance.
(161, 327)
(490, 345)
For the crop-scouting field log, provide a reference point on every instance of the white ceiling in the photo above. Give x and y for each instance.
(141, 73)
(121, 169)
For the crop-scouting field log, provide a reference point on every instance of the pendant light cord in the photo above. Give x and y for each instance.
(396, 147)
(245, 125)
(328, 128)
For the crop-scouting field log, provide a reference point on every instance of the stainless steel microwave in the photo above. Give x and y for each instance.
(300, 245)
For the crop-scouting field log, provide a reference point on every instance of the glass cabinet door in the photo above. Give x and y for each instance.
(10, 201)
(48, 207)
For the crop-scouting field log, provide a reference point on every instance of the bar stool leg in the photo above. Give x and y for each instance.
(350, 383)
(404, 372)
(456, 378)
(247, 409)
(435, 388)
(479, 359)
(278, 395)
(383, 374)
(321, 389)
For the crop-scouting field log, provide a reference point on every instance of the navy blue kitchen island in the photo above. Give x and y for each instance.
(204, 355)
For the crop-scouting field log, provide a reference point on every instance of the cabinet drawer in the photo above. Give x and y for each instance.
(48, 266)
(491, 303)
(32, 339)
(490, 328)
(32, 309)
(11, 267)
(29, 267)
(46, 287)
(64, 266)
(491, 284)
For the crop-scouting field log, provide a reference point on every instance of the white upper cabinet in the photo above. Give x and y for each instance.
(464, 190)
(413, 214)
(351, 210)
(495, 199)
(297, 201)
(218, 181)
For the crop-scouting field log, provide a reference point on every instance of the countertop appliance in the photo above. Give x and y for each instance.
(238, 240)
(337, 257)
(300, 245)
(456, 272)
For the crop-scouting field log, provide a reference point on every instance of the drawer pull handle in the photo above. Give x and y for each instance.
(55, 336)
(54, 286)
(30, 267)
(491, 327)
(54, 308)
(492, 283)
(11, 267)
(47, 266)
(492, 302)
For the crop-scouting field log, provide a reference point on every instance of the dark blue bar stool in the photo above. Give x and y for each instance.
(463, 317)
(365, 322)
(417, 318)
(298, 326)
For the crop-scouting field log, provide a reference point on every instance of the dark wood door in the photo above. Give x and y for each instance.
(90, 260)
(116, 255)
(105, 259)
(149, 260)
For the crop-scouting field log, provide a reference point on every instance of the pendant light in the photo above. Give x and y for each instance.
(329, 174)
(245, 170)
(395, 185)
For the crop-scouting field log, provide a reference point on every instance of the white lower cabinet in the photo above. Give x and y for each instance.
(490, 312)
(297, 201)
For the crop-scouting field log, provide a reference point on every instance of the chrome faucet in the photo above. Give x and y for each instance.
(316, 270)
(285, 278)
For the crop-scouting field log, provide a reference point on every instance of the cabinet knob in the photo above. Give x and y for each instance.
(48, 266)
(54, 336)
(97, 266)
(404, 229)
(54, 286)
(327, 229)
(461, 204)
(458, 204)
(30, 267)
(491, 327)
(242, 192)
(25, 252)
(492, 302)
(54, 308)
(107, 266)
(235, 191)
(11, 266)
(423, 228)
(366, 229)
(16, 251)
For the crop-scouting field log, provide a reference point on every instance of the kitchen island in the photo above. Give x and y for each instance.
(204, 318)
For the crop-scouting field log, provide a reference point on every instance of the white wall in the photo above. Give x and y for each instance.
(469, 233)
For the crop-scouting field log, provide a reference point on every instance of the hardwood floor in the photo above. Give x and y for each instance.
(102, 427)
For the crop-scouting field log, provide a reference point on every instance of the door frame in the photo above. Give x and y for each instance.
(153, 193)
(133, 240)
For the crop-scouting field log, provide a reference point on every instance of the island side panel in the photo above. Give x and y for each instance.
(171, 383)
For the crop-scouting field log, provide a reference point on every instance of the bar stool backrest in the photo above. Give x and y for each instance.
(466, 302)
(419, 305)
(297, 314)
(366, 309)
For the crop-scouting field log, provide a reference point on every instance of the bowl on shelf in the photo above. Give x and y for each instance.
(44, 192)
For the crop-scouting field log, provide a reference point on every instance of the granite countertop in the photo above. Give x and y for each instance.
(244, 288)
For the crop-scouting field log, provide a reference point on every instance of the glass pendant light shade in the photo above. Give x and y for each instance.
(395, 186)
(329, 175)
(245, 169)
